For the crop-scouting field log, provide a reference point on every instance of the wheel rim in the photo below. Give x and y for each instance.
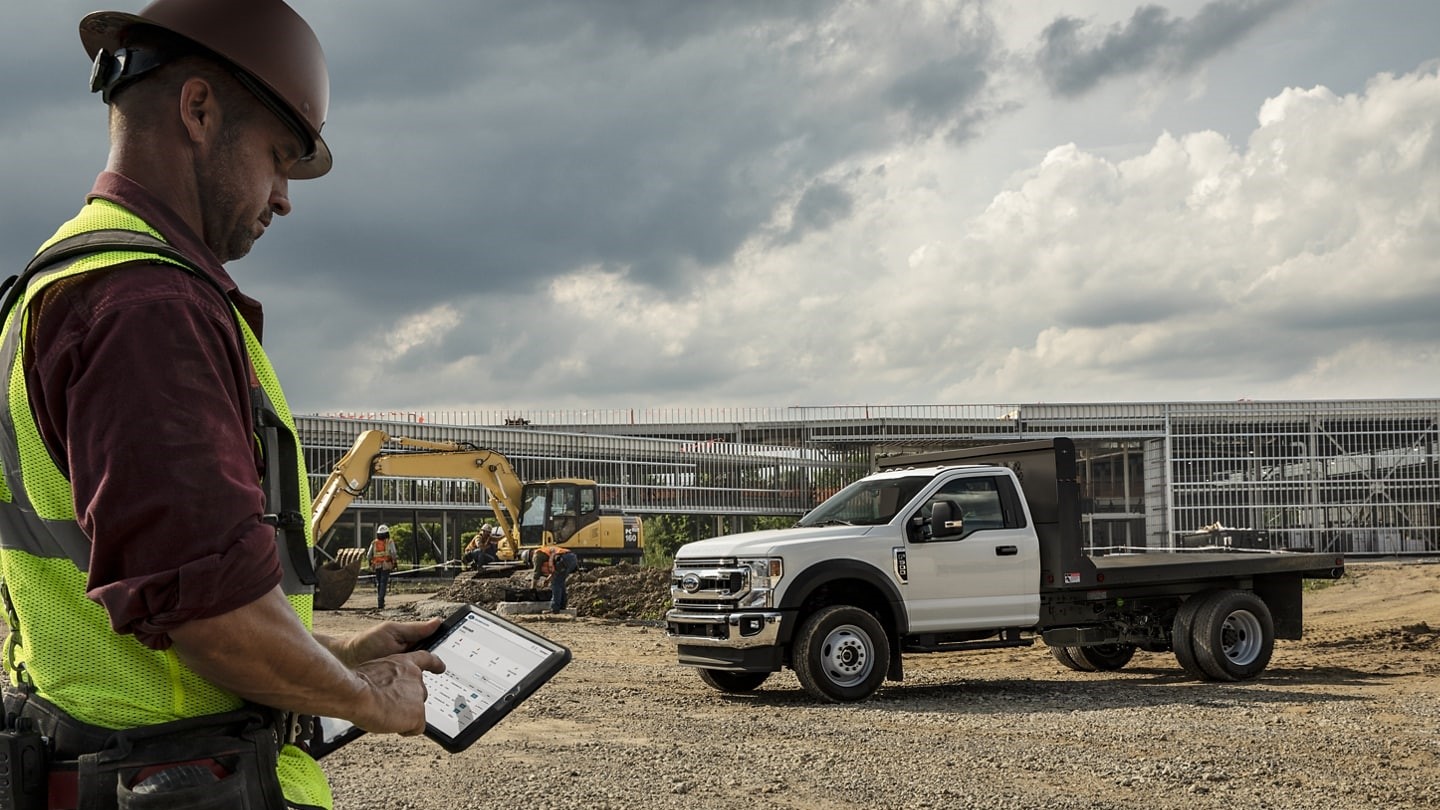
(846, 656)
(1241, 638)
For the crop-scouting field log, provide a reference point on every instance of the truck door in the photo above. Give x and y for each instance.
(983, 575)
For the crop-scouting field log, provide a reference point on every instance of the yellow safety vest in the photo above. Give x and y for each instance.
(59, 638)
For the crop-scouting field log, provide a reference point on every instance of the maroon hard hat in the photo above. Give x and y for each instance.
(276, 51)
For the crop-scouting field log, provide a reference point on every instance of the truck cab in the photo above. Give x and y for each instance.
(931, 551)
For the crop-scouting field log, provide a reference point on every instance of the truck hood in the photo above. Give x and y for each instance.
(771, 543)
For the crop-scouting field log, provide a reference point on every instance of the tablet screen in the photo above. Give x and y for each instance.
(491, 665)
(488, 662)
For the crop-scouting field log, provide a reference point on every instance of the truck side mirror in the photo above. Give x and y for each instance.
(945, 520)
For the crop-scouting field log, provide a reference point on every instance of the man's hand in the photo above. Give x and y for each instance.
(378, 641)
(262, 652)
(397, 686)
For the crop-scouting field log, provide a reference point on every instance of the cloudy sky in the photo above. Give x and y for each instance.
(647, 203)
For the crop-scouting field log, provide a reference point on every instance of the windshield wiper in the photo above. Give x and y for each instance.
(831, 522)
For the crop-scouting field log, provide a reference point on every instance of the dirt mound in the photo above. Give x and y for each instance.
(1418, 636)
(605, 592)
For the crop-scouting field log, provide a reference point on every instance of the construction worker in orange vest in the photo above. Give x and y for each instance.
(382, 561)
(557, 563)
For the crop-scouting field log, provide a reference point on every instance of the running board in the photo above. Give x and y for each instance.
(928, 644)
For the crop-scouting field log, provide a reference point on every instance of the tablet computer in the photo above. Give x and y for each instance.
(491, 665)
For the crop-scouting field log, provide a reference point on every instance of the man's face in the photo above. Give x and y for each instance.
(245, 181)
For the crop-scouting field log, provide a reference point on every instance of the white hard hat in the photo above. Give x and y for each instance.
(497, 532)
(382, 529)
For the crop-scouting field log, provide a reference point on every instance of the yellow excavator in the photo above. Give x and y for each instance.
(562, 511)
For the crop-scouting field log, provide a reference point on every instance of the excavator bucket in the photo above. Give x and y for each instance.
(337, 578)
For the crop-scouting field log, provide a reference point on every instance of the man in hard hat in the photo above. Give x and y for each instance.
(482, 548)
(470, 556)
(382, 562)
(153, 544)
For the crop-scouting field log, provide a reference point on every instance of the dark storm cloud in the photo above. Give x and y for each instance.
(822, 205)
(507, 144)
(1112, 306)
(1073, 59)
(459, 42)
(942, 94)
(52, 132)
(1408, 316)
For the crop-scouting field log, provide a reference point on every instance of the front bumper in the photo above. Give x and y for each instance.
(737, 630)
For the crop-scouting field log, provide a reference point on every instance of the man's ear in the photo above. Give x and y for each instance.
(199, 110)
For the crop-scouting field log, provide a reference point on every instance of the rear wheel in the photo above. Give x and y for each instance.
(1103, 657)
(1182, 636)
(841, 654)
(732, 682)
(1234, 635)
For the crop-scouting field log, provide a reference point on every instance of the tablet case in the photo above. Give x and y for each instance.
(492, 665)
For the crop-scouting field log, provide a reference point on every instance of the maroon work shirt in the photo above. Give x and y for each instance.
(141, 390)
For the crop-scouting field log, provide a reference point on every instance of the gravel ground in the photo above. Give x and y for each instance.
(1344, 719)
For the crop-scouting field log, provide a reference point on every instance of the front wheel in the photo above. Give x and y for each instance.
(841, 654)
(1067, 660)
(1103, 657)
(733, 682)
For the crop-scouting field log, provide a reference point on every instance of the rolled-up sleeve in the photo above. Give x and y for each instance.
(141, 392)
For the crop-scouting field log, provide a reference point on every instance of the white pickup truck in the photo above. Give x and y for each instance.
(968, 549)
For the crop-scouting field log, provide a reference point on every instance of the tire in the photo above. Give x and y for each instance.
(1182, 634)
(1234, 636)
(732, 682)
(1063, 655)
(1103, 657)
(841, 654)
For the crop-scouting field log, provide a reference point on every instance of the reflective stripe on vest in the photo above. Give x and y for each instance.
(381, 551)
(61, 637)
(551, 552)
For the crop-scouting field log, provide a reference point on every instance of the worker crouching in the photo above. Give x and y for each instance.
(556, 563)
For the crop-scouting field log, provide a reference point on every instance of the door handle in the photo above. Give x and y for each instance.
(1006, 551)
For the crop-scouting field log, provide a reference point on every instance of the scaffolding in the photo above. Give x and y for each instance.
(1360, 477)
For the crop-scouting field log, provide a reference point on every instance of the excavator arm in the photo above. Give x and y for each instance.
(352, 475)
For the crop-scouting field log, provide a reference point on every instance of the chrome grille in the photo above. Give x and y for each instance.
(717, 585)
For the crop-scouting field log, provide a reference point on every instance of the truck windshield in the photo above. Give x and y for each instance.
(869, 502)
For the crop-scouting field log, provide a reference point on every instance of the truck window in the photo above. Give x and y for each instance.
(588, 501)
(867, 502)
(976, 500)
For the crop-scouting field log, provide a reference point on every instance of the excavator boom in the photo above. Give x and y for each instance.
(351, 476)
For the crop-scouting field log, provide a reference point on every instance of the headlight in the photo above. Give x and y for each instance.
(765, 574)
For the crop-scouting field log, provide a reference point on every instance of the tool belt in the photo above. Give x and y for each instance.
(211, 762)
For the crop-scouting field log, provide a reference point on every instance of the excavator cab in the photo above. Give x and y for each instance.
(558, 512)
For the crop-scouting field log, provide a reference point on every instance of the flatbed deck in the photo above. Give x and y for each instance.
(1156, 568)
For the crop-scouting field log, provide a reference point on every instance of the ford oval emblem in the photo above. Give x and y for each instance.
(691, 583)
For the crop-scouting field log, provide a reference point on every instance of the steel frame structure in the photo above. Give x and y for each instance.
(1354, 476)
